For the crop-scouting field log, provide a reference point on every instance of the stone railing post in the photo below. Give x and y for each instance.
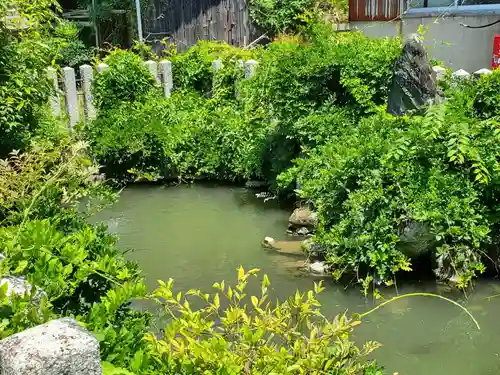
(216, 66)
(153, 69)
(87, 74)
(55, 100)
(102, 67)
(250, 68)
(70, 95)
(166, 76)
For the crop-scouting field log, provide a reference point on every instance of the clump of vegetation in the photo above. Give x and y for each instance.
(280, 16)
(74, 52)
(28, 45)
(260, 338)
(193, 70)
(127, 80)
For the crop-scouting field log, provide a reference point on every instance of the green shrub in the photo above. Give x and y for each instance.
(228, 336)
(372, 183)
(487, 98)
(192, 70)
(46, 238)
(184, 136)
(296, 78)
(127, 80)
(278, 16)
(24, 56)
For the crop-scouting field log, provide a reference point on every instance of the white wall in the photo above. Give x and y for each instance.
(376, 29)
(457, 46)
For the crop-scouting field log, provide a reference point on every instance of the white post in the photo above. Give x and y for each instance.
(240, 67)
(153, 69)
(250, 68)
(139, 19)
(87, 74)
(71, 96)
(216, 66)
(55, 100)
(102, 67)
(166, 76)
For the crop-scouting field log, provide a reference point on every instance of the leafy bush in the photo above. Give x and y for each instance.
(193, 70)
(74, 53)
(487, 98)
(127, 80)
(371, 184)
(46, 239)
(182, 137)
(278, 16)
(296, 78)
(228, 336)
(25, 53)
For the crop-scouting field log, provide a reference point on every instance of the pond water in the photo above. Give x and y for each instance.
(199, 235)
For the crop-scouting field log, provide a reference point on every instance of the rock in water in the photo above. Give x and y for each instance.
(413, 80)
(303, 217)
(59, 347)
(320, 268)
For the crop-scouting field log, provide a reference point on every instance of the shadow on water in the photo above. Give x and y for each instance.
(199, 234)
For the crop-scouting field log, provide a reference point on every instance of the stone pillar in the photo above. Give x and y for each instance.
(250, 68)
(153, 69)
(166, 76)
(240, 68)
(87, 74)
(216, 66)
(71, 96)
(102, 67)
(55, 100)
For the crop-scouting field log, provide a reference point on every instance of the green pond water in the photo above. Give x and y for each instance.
(199, 235)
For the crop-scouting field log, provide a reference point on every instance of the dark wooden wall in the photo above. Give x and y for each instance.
(374, 10)
(184, 22)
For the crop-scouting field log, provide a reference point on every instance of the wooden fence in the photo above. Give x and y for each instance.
(374, 10)
(73, 98)
(184, 22)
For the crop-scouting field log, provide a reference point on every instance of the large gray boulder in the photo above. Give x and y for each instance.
(59, 347)
(413, 81)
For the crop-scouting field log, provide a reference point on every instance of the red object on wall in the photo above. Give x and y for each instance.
(495, 60)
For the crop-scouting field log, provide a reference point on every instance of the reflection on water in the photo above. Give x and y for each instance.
(198, 235)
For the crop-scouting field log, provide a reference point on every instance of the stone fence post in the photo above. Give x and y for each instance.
(153, 69)
(71, 96)
(87, 74)
(166, 76)
(55, 99)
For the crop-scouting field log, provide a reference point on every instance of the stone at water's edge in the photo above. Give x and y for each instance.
(413, 81)
(320, 268)
(284, 247)
(303, 217)
(59, 347)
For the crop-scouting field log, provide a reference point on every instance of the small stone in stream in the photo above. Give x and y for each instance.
(303, 231)
(59, 347)
(269, 242)
(318, 267)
